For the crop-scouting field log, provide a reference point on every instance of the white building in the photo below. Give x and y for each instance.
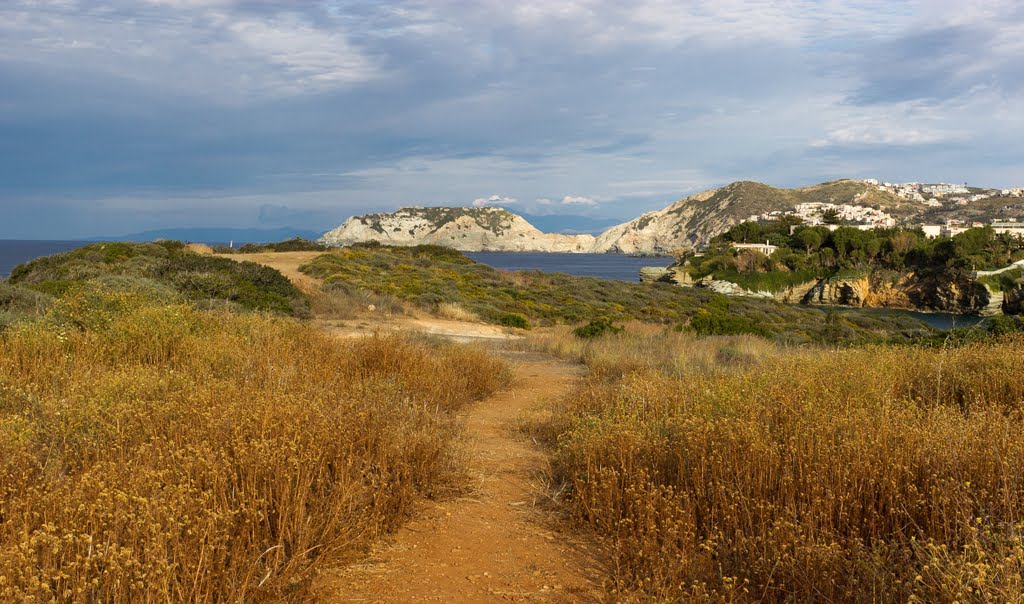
(765, 248)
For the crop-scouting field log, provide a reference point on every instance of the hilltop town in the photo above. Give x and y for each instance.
(941, 196)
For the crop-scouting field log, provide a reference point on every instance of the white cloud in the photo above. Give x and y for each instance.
(493, 200)
(878, 136)
(198, 48)
(578, 200)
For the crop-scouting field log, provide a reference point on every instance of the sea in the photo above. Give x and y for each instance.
(14, 252)
(606, 266)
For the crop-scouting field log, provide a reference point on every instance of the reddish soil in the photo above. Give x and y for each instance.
(498, 544)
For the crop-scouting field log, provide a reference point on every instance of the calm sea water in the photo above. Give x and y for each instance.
(605, 266)
(14, 252)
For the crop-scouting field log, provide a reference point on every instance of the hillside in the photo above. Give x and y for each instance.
(464, 229)
(691, 222)
(433, 278)
(167, 269)
(695, 220)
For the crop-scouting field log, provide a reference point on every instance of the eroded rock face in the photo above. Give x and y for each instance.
(466, 229)
(797, 293)
(652, 274)
(729, 288)
(1013, 300)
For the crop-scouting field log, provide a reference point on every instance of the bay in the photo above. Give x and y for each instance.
(605, 266)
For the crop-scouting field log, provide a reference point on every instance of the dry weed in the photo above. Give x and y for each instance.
(160, 453)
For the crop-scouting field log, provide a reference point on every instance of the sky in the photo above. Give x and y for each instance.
(127, 115)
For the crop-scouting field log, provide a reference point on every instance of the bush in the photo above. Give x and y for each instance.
(596, 328)
(515, 319)
(717, 323)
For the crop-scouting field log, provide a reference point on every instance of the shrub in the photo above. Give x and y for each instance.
(717, 323)
(515, 319)
(596, 328)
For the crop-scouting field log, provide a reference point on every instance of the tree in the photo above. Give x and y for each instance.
(811, 239)
(831, 216)
(746, 232)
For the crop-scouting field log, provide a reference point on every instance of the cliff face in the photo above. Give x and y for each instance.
(693, 221)
(956, 293)
(465, 229)
(688, 223)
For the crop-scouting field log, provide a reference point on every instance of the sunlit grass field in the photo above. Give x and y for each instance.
(155, 452)
(731, 469)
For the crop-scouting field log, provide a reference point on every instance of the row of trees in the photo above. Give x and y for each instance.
(816, 248)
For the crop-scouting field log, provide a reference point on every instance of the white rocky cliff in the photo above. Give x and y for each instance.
(465, 229)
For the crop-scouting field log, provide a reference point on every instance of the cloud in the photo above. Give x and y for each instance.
(342, 107)
(493, 200)
(878, 136)
(214, 49)
(578, 200)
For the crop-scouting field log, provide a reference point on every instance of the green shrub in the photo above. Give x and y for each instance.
(167, 269)
(515, 319)
(716, 323)
(596, 328)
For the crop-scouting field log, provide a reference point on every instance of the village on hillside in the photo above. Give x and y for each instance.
(936, 196)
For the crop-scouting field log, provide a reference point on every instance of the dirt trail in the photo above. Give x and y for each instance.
(495, 545)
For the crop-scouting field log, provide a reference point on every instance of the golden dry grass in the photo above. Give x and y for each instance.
(878, 474)
(160, 453)
(455, 312)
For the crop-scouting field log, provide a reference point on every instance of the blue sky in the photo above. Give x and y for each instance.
(127, 115)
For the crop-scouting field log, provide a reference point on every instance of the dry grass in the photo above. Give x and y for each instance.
(877, 474)
(455, 312)
(343, 305)
(160, 453)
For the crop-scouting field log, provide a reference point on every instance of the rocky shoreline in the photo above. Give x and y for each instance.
(961, 293)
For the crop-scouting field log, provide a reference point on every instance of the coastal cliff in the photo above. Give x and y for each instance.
(957, 293)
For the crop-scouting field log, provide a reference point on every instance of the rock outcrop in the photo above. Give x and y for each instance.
(840, 291)
(956, 293)
(1013, 300)
(465, 229)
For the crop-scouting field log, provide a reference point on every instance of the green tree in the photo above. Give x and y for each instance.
(810, 238)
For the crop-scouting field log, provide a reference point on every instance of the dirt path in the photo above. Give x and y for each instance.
(495, 545)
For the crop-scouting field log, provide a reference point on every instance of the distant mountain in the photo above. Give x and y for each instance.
(217, 235)
(466, 229)
(570, 224)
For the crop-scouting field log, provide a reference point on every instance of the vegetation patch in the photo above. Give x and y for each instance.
(155, 452)
(166, 265)
(808, 252)
(429, 276)
(297, 244)
(730, 469)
